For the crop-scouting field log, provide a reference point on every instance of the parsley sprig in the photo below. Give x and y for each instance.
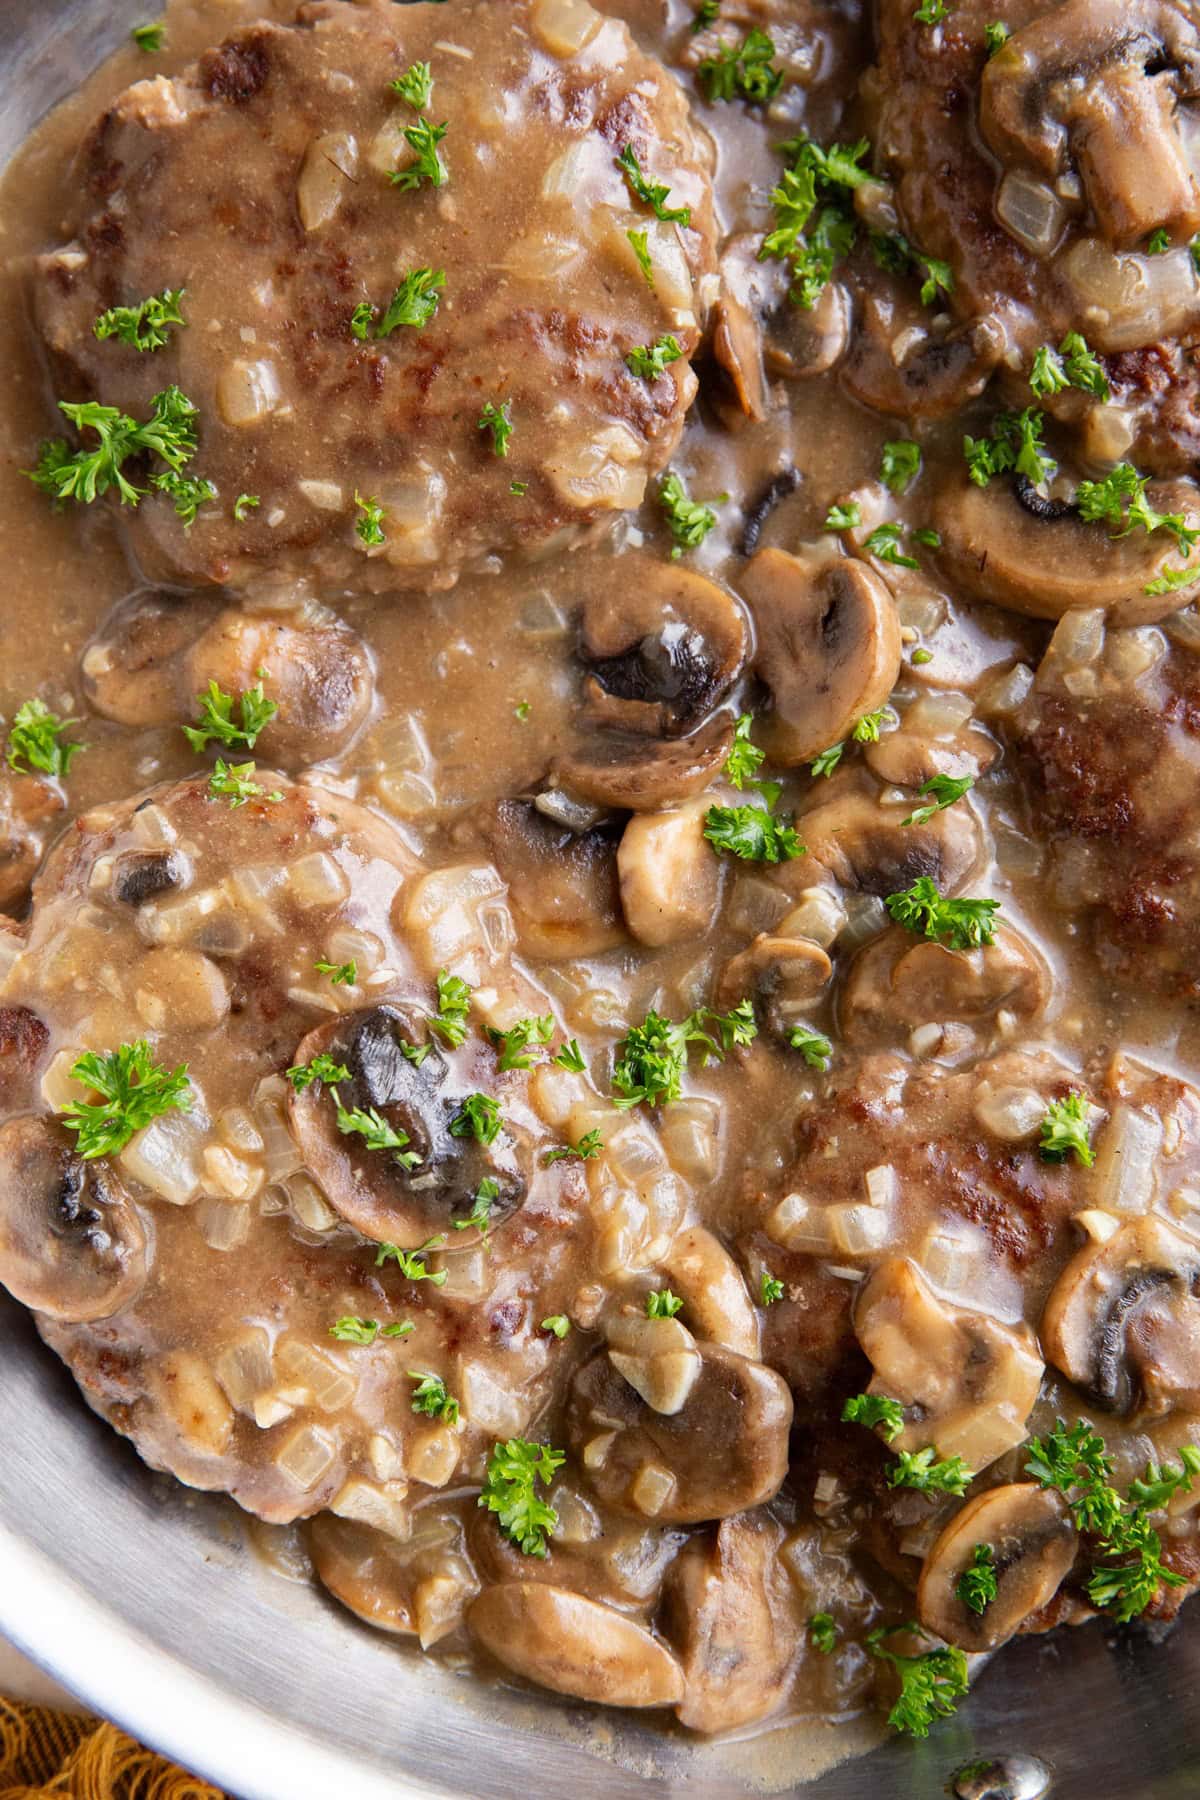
(1120, 499)
(216, 720)
(930, 1683)
(510, 1491)
(663, 1304)
(752, 834)
(320, 1071)
(814, 220)
(134, 1091)
(962, 924)
(744, 71)
(413, 304)
(943, 791)
(976, 1587)
(432, 1397)
(690, 520)
(35, 739)
(376, 1133)
(1016, 444)
(928, 1473)
(649, 361)
(877, 1413)
(518, 1043)
(651, 193)
(415, 85)
(589, 1145)
(1065, 1130)
(235, 782)
(145, 326)
(1072, 365)
(478, 1117)
(84, 474)
(427, 164)
(652, 1057)
(454, 1006)
(412, 1262)
(498, 421)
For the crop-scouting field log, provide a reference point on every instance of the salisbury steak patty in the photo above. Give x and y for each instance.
(358, 292)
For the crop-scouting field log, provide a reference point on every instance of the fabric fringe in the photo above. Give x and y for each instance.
(48, 1755)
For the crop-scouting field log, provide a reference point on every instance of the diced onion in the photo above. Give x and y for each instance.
(1123, 1177)
(565, 27)
(306, 1456)
(1031, 212)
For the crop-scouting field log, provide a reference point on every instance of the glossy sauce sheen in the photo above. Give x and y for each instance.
(711, 1501)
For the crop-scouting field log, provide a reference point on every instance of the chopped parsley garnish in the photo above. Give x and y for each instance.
(943, 791)
(486, 1196)
(815, 1049)
(235, 782)
(770, 1289)
(1016, 444)
(570, 1056)
(187, 493)
(412, 1262)
(815, 222)
(149, 38)
(369, 523)
(1072, 365)
(340, 974)
(884, 542)
(639, 243)
(496, 420)
(843, 517)
(520, 489)
(743, 71)
(995, 36)
(83, 475)
(351, 1330)
(134, 1091)
(649, 361)
(424, 138)
(706, 14)
(928, 1473)
(454, 1004)
(899, 464)
(1129, 1570)
(875, 1412)
(652, 1057)
(1065, 1131)
(690, 520)
(976, 1586)
(322, 1070)
(744, 759)
(415, 85)
(216, 720)
(921, 657)
(376, 1133)
(866, 730)
(663, 1304)
(245, 503)
(652, 193)
(413, 304)
(431, 1397)
(145, 326)
(510, 1491)
(822, 1633)
(1160, 1484)
(514, 1043)
(826, 761)
(893, 252)
(589, 1145)
(1172, 579)
(929, 1683)
(558, 1323)
(1158, 242)
(963, 924)
(1120, 499)
(752, 834)
(477, 1117)
(35, 738)
(931, 12)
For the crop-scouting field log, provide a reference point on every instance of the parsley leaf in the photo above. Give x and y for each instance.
(570, 1056)
(134, 1091)
(1172, 579)
(929, 1683)
(944, 791)
(244, 504)
(149, 38)
(639, 242)
(866, 730)
(816, 178)
(995, 36)
(454, 1004)
(1161, 1482)
(815, 1049)
(899, 465)
(929, 1474)
(376, 1133)
(744, 759)
(514, 1043)
(427, 164)
(340, 974)
(496, 420)
(589, 1145)
(770, 1289)
(1016, 443)
(510, 1491)
(322, 1070)
(486, 1196)
(1131, 1572)
(83, 475)
(412, 1262)
(652, 193)
(216, 720)
(706, 14)
(663, 1304)
(34, 738)
(1159, 242)
(1120, 499)
(369, 524)
(1074, 365)
(931, 12)
(350, 1330)
(145, 326)
(431, 1397)
(743, 71)
(976, 1586)
(479, 1117)
(235, 782)
(651, 360)
(689, 519)
(188, 493)
(413, 304)
(1065, 1131)
(652, 1057)
(963, 924)
(884, 542)
(752, 834)
(843, 517)
(415, 86)
(822, 1633)
(826, 761)
(875, 1411)
(558, 1323)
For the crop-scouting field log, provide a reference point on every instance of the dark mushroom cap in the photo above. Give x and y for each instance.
(896, 983)
(369, 1188)
(726, 1446)
(1033, 1543)
(642, 774)
(72, 1245)
(562, 884)
(866, 845)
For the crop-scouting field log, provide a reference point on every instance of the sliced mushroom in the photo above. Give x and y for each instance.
(642, 774)
(1033, 1544)
(902, 365)
(997, 549)
(866, 845)
(896, 984)
(968, 1381)
(371, 1189)
(1100, 81)
(132, 666)
(617, 1561)
(730, 1610)
(670, 880)
(723, 1451)
(574, 1646)
(27, 805)
(785, 973)
(936, 736)
(319, 675)
(708, 1281)
(662, 646)
(416, 1586)
(23, 1041)
(72, 1244)
(1123, 1320)
(759, 331)
(562, 884)
(828, 646)
(141, 875)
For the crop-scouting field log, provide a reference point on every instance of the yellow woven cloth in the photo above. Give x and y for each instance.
(48, 1755)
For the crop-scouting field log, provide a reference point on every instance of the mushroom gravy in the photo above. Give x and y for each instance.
(641, 1053)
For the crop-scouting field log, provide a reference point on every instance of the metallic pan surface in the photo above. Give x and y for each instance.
(145, 1601)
